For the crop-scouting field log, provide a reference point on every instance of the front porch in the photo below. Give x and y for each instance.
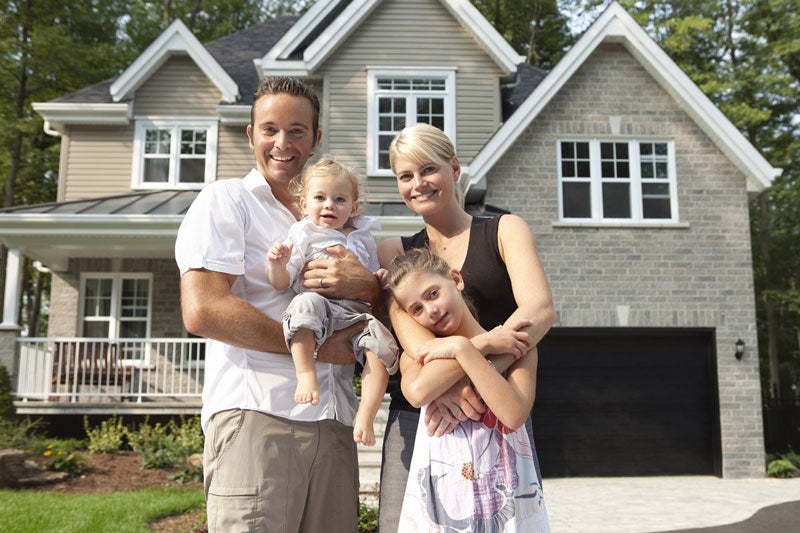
(81, 375)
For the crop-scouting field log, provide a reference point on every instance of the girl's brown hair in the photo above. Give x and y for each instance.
(421, 260)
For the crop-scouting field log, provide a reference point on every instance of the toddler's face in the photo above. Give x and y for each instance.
(433, 300)
(328, 201)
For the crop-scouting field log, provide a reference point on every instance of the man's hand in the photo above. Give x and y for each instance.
(459, 403)
(341, 277)
(338, 349)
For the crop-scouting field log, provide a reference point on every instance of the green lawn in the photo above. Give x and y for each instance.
(120, 512)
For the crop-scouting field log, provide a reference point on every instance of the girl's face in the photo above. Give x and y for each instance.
(328, 201)
(424, 187)
(433, 300)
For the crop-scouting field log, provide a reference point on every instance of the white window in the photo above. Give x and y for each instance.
(617, 181)
(402, 97)
(117, 306)
(174, 154)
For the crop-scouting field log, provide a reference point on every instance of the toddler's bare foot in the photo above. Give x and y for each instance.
(307, 390)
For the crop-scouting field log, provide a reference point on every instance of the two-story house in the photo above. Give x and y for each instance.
(635, 185)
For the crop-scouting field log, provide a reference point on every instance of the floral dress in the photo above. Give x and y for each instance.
(479, 478)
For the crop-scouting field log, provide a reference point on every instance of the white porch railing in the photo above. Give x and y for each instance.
(80, 369)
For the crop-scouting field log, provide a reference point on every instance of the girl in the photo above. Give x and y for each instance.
(328, 195)
(480, 477)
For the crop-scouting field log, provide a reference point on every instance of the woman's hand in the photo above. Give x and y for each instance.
(505, 339)
(457, 404)
(442, 348)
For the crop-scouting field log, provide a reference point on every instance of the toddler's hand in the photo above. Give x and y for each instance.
(382, 275)
(279, 253)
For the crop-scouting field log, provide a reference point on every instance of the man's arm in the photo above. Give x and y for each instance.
(211, 310)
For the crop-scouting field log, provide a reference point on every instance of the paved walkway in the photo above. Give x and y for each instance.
(649, 504)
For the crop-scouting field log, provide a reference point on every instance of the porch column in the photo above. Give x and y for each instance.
(13, 287)
(9, 328)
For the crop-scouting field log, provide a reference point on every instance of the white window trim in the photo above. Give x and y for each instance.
(635, 180)
(375, 72)
(173, 123)
(116, 302)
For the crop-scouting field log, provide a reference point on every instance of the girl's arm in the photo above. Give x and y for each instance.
(509, 399)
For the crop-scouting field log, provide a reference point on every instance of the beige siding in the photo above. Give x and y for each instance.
(235, 156)
(179, 87)
(98, 162)
(407, 33)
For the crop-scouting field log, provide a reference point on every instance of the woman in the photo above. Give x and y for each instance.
(503, 277)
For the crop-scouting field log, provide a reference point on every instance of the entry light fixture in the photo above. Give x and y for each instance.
(739, 349)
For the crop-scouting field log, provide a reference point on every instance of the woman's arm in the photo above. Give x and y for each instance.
(528, 279)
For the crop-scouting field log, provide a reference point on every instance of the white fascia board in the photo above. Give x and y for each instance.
(339, 30)
(487, 36)
(300, 31)
(175, 39)
(276, 62)
(616, 25)
(234, 114)
(87, 225)
(297, 69)
(57, 114)
(396, 226)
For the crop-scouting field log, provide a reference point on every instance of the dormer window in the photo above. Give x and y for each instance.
(174, 154)
(401, 97)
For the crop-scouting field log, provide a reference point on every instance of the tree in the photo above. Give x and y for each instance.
(535, 28)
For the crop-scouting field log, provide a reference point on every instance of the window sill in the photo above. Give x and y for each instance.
(626, 225)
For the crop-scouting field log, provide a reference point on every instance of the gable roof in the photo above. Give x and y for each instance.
(616, 25)
(174, 40)
(327, 24)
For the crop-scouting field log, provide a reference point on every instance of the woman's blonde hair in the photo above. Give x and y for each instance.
(327, 167)
(418, 260)
(423, 144)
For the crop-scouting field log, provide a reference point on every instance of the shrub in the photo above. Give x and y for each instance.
(792, 457)
(367, 518)
(164, 446)
(781, 468)
(62, 459)
(108, 437)
(19, 435)
(7, 411)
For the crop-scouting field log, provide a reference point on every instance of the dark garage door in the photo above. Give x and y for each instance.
(627, 402)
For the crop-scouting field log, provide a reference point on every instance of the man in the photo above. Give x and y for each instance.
(269, 463)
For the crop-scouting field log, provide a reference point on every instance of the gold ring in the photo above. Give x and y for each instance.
(320, 283)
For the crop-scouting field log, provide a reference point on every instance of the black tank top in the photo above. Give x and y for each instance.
(486, 283)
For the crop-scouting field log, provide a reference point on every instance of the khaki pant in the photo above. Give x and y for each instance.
(265, 473)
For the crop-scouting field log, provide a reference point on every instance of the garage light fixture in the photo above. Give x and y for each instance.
(739, 349)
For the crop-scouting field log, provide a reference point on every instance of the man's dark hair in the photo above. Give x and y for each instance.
(291, 86)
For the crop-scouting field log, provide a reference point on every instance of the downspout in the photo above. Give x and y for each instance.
(49, 130)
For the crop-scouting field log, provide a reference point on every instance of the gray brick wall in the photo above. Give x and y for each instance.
(699, 275)
(65, 293)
